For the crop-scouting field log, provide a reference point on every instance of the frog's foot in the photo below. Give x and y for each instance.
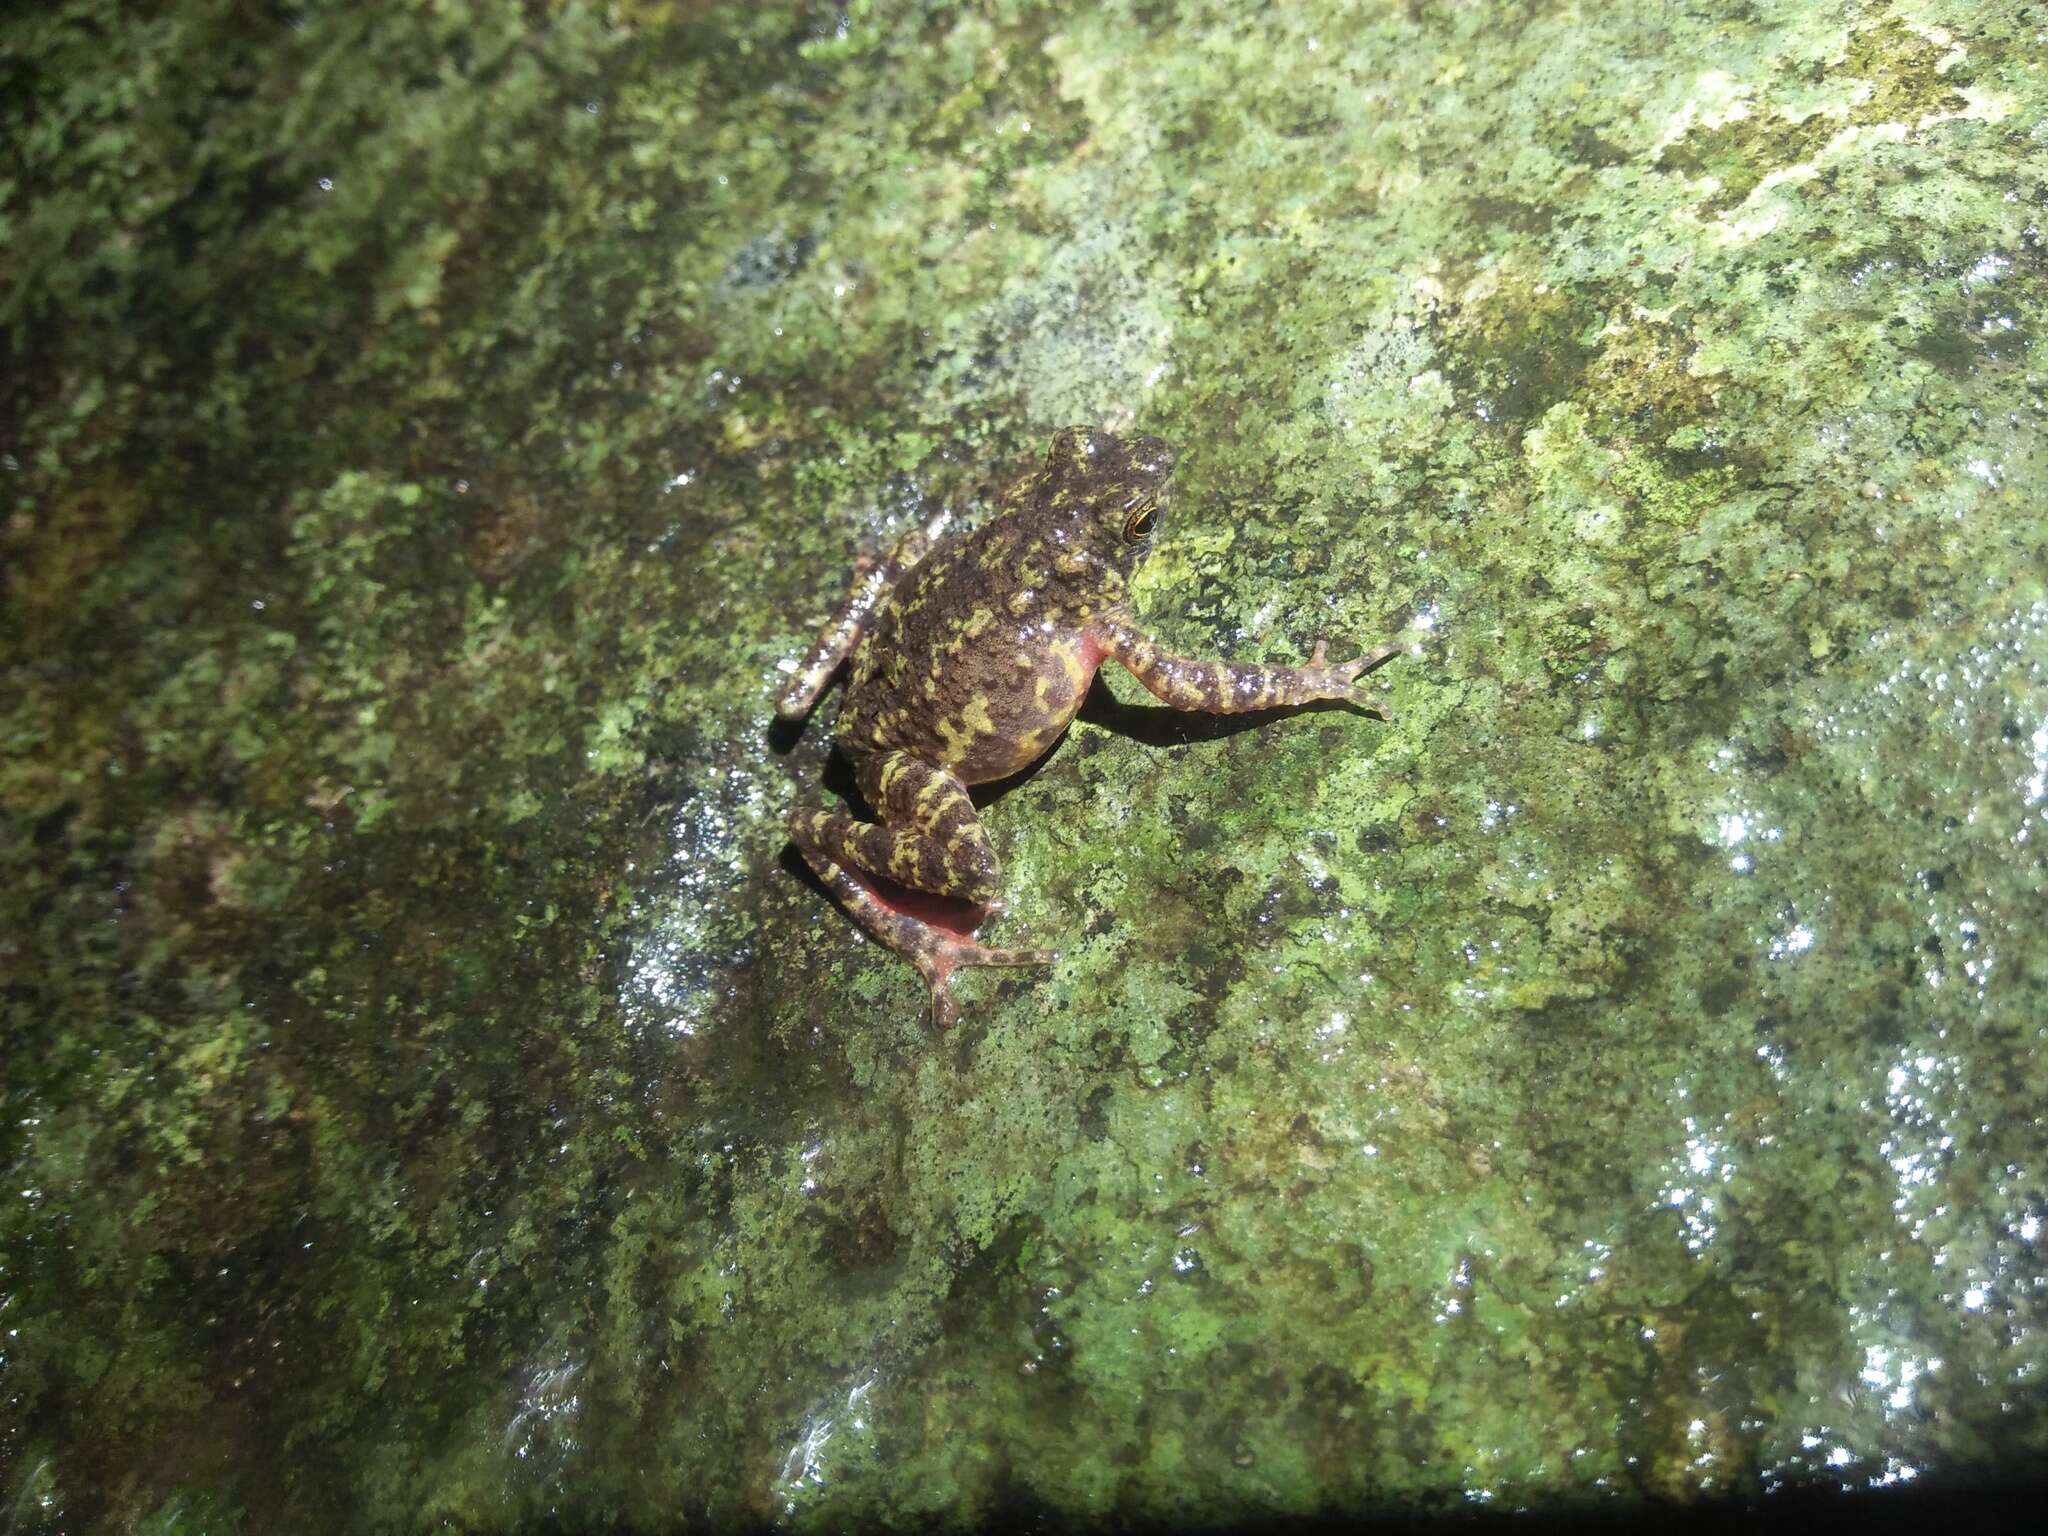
(937, 960)
(1344, 677)
(934, 933)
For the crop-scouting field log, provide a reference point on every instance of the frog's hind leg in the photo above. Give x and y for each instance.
(928, 841)
(871, 580)
(936, 949)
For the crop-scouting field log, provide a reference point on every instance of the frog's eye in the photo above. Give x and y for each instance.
(1138, 525)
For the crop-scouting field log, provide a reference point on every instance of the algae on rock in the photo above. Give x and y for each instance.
(424, 432)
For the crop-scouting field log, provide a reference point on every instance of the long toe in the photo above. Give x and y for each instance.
(1376, 656)
(980, 954)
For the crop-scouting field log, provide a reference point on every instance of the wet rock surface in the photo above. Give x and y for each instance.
(431, 1094)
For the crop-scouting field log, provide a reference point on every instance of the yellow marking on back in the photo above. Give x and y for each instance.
(959, 735)
(1070, 663)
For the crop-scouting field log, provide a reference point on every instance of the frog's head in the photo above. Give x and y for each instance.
(1106, 493)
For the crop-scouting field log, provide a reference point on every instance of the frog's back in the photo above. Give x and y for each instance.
(972, 662)
(982, 652)
(918, 643)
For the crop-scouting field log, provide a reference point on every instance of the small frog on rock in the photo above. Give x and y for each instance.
(971, 653)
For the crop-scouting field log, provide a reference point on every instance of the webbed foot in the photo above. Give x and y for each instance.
(1344, 679)
(937, 959)
(936, 934)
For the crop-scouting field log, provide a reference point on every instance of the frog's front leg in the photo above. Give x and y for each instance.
(1231, 688)
(929, 839)
(871, 581)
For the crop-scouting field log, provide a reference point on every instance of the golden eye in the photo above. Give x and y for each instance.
(1139, 524)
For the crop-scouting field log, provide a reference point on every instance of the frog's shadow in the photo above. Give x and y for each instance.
(1161, 725)
(1152, 725)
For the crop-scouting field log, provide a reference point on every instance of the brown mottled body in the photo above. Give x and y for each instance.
(970, 655)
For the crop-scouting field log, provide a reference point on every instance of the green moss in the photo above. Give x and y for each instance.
(1889, 74)
(1615, 1077)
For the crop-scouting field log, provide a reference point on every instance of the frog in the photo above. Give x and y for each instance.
(967, 654)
